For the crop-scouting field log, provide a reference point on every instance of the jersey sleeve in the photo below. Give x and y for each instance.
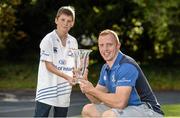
(46, 50)
(76, 44)
(126, 75)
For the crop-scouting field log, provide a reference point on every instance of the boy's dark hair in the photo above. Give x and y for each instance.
(68, 10)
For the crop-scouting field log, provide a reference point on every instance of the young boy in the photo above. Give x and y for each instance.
(55, 68)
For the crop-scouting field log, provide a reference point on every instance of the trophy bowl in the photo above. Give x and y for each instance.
(81, 62)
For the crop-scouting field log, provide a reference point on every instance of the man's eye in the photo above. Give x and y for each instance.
(109, 44)
(100, 45)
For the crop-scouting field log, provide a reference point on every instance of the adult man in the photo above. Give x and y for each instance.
(55, 74)
(122, 89)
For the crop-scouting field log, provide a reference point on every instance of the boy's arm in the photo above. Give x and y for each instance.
(50, 67)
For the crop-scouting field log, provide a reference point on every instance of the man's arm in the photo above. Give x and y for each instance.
(119, 99)
(114, 100)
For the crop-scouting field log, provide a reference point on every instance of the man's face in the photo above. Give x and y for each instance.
(108, 47)
(64, 23)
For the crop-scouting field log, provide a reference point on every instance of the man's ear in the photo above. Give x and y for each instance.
(118, 46)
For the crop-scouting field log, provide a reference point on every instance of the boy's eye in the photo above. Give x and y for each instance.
(62, 20)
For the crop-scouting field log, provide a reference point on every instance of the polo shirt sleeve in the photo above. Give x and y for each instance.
(126, 75)
(46, 50)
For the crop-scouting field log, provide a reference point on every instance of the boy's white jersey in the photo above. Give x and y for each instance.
(52, 89)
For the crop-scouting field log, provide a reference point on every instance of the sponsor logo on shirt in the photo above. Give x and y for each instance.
(64, 68)
(62, 62)
(44, 53)
(124, 80)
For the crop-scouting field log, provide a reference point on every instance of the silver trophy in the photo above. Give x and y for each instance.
(81, 61)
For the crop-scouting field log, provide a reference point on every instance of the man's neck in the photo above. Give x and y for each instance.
(110, 63)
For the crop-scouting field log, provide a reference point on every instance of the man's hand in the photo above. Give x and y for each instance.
(86, 86)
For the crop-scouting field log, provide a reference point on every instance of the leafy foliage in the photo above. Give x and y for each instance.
(148, 29)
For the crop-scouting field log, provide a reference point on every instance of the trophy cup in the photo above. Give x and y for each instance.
(81, 61)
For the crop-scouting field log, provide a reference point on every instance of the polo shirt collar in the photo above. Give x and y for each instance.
(116, 62)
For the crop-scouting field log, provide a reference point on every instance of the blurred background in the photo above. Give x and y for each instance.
(147, 29)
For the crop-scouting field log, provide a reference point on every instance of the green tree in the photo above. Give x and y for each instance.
(148, 29)
(9, 34)
(162, 24)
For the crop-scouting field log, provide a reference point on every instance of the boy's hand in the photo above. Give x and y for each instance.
(72, 81)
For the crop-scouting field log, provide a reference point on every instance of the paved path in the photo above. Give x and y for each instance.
(165, 97)
(21, 103)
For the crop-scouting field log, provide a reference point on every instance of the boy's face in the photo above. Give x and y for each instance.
(64, 23)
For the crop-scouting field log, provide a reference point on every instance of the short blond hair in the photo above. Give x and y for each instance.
(68, 10)
(108, 31)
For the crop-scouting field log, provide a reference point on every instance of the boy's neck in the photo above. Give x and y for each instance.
(61, 35)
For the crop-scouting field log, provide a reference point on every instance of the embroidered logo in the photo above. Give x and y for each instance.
(70, 53)
(113, 78)
(55, 49)
(124, 80)
(62, 62)
(104, 78)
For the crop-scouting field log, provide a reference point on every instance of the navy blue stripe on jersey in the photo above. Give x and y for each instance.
(54, 96)
(54, 93)
(52, 90)
(52, 87)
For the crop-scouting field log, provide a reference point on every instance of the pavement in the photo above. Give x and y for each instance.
(164, 97)
(20, 103)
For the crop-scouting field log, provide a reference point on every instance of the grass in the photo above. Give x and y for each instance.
(24, 76)
(171, 110)
(163, 78)
(159, 77)
(18, 75)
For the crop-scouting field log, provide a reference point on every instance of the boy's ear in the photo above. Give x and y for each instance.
(55, 20)
(72, 25)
